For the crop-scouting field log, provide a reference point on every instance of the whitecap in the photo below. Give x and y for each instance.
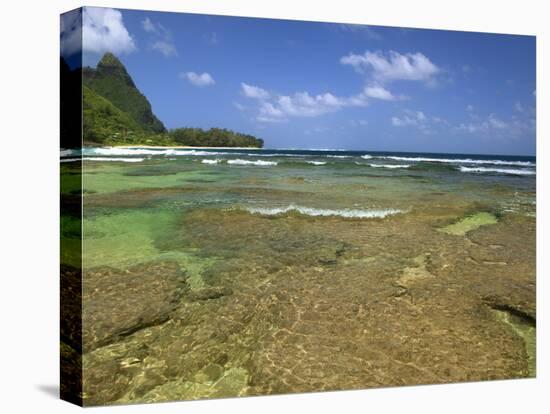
(390, 166)
(113, 159)
(211, 161)
(316, 162)
(148, 151)
(497, 170)
(366, 157)
(67, 152)
(257, 162)
(460, 161)
(316, 212)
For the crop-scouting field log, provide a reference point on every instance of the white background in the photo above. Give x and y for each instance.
(29, 131)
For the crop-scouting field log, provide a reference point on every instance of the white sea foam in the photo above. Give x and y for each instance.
(147, 151)
(247, 162)
(102, 159)
(339, 156)
(390, 165)
(316, 212)
(497, 170)
(210, 161)
(67, 152)
(254, 154)
(366, 157)
(316, 162)
(113, 159)
(460, 161)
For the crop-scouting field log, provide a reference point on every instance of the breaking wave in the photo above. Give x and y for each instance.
(460, 161)
(257, 162)
(103, 159)
(316, 212)
(392, 166)
(147, 151)
(496, 170)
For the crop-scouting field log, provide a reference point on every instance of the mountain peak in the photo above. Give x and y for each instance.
(111, 80)
(110, 60)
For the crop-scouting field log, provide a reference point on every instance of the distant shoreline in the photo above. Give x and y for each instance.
(181, 147)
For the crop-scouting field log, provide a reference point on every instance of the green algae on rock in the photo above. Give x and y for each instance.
(473, 222)
(526, 329)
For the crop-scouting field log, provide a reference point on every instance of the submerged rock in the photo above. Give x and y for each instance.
(210, 293)
(118, 303)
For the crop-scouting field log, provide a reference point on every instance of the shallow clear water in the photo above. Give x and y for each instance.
(278, 249)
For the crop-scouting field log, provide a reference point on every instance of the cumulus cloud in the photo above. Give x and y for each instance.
(71, 33)
(277, 108)
(166, 48)
(198, 79)
(160, 38)
(103, 31)
(255, 92)
(496, 123)
(493, 124)
(393, 66)
(417, 119)
(360, 29)
(410, 118)
(518, 107)
(148, 25)
(381, 69)
(359, 122)
(239, 106)
(379, 92)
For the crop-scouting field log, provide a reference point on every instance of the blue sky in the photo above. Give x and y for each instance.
(320, 85)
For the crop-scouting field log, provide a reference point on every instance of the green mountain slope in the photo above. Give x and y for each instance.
(115, 112)
(104, 122)
(111, 80)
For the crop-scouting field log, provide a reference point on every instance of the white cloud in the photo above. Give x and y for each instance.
(164, 47)
(148, 25)
(472, 128)
(71, 33)
(379, 92)
(160, 38)
(255, 92)
(361, 29)
(274, 107)
(359, 122)
(470, 108)
(213, 39)
(239, 106)
(488, 124)
(104, 31)
(202, 79)
(518, 107)
(496, 123)
(393, 66)
(410, 118)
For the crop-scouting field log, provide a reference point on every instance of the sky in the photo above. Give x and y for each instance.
(321, 85)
